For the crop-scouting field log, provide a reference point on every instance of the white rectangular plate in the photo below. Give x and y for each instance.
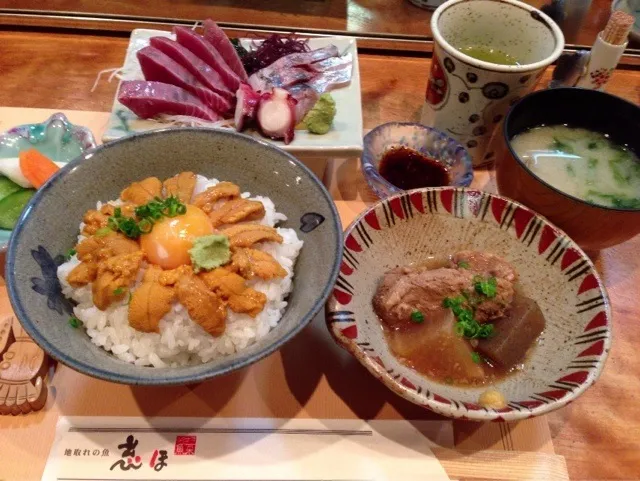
(343, 140)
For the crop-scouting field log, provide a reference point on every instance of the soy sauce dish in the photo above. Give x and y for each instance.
(401, 156)
(572, 155)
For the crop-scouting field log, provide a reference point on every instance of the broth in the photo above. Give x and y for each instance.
(582, 163)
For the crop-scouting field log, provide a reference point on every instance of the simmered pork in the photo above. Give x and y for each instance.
(459, 320)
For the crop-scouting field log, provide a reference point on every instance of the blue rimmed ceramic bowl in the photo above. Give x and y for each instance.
(48, 227)
(418, 137)
(56, 137)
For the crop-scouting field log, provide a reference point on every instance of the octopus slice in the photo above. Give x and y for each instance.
(246, 235)
(237, 210)
(181, 186)
(203, 306)
(252, 263)
(150, 302)
(139, 193)
(223, 190)
(114, 277)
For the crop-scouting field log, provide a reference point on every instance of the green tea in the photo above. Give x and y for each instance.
(489, 54)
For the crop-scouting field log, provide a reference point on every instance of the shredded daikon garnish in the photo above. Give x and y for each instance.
(188, 121)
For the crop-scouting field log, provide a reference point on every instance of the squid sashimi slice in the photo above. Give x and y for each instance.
(156, 66)
(276, 115)
(150, 99)
(216, 37)
(246, 106)
(194, 64)
(203, 49)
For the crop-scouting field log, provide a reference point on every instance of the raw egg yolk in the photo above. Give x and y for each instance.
(168, 243)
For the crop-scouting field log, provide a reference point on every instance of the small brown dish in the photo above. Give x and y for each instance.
(593, 227)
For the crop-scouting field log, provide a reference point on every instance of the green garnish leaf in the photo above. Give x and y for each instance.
(487, 287)
(463, 265)
(119, 291)
(593, 145)
(592, 162)
(616, 169)
(417, 317)
(475, 357)
(70, 253)
(75, 322)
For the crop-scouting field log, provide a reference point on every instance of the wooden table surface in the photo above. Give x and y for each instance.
(598, 434)
(389, 17)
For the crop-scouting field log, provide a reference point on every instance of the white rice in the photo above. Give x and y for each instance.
(182, 341)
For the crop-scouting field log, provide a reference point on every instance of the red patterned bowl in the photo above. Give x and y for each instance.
(553, 270)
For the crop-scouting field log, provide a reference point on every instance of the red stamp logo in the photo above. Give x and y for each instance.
(185, 446)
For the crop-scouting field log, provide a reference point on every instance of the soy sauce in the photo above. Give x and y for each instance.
(407, 169)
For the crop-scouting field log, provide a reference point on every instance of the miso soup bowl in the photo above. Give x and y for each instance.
(407, 228)
(593, 227)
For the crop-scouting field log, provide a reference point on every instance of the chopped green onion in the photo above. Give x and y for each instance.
(75, 322)
(119, 291)
(145, 226)
(488, 286)
(417, 317)
(70, 253)
(475, 357)
(463, 265)
(593, 145)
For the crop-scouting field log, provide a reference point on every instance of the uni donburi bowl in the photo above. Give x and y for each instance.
(49, 227)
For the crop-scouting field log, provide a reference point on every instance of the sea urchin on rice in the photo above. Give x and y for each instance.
(180, 340)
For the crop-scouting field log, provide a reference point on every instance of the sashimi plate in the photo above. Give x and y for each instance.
(343, 140)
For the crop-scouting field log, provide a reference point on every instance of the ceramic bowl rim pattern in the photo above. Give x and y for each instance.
(451, 407)
(370, 170)
(451, 50)
(107, 375)
(535, 176)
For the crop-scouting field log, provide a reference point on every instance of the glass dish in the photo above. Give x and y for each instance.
(423, 139)
(56, 137)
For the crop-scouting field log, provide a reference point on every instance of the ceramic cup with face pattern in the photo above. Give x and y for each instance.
(467, 98)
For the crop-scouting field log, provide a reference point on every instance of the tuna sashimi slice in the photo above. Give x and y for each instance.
(216, 36)
(203, 49)
(156, 66)
(194, 64)
(150, 99)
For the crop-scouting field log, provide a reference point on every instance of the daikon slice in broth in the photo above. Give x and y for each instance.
(582, 163)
